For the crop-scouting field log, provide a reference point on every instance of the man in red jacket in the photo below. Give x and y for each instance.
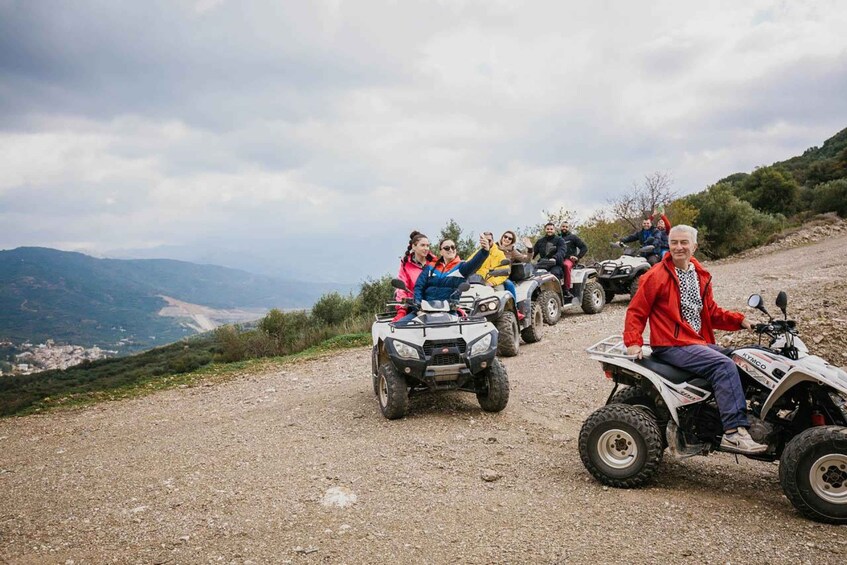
(676, 297)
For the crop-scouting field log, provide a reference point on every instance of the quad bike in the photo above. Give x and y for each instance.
(620, 276)
(503, 313)
(585, 291)
(539, 298)
(797, 404)
(440, 349)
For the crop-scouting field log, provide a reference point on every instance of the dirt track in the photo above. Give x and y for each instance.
(236, 473)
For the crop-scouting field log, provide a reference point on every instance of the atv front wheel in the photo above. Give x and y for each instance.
(393, 394)
(509, 340)
(551, 307)
(593, 297)
(621, 446)
(495, 394)
(535, 331)
(813, 473)
(633, 287)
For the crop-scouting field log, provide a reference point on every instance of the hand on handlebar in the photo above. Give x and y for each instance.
(745, 324)
(635, 350)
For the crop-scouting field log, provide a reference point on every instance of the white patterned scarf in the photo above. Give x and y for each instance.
(689, 297)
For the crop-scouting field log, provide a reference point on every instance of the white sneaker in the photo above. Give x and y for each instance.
(741, 442)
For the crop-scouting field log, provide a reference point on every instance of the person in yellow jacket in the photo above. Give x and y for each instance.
(494, 262)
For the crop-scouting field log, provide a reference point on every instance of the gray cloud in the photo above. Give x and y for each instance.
(312, 137)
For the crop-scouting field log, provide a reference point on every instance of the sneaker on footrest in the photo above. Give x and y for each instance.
(741, 442)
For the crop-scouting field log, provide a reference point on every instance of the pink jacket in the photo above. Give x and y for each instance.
(408, 273)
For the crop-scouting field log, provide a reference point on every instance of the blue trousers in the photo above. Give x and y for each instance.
(510, 286)
(722, 374)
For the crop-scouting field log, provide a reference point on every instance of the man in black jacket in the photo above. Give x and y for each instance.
(551, 246)
(575, 249)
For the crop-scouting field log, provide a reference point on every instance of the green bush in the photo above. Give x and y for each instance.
(728, 224)
(830, 197)
(333, 308)
(771, 191)
(230, 344)
(373, 295)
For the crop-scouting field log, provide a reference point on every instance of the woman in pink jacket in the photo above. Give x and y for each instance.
(416, 257)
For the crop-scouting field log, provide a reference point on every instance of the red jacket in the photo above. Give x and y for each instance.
(657, 300)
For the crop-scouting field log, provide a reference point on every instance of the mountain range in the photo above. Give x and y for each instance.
(74, 298)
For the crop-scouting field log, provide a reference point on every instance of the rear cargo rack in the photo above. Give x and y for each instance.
(612, 346)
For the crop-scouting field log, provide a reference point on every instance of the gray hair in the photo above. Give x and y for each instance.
(692, 232)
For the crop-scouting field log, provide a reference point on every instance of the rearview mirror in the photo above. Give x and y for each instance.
(398, 284)
(755, 301)
(505, 262)
(782, 301)
(464, 286)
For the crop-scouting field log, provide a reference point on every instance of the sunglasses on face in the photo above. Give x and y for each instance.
(448, 248)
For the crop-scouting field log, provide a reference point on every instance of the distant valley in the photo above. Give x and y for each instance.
(131, 305)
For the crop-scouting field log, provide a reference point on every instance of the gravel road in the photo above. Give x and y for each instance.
(247, 471)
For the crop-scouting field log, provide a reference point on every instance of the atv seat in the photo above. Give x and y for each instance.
(521, 271)
(673, 374)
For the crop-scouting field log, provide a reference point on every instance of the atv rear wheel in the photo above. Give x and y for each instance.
(495, 394)
(535, 331)
(508, 341)
(393, 394)
(813, 473)
(593, 297)
(551, 307)
(640, 398)
(621, 446)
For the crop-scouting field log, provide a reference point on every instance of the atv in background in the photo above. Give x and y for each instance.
(585, 292)
(440, 349)
(539, 298)
(620, 276)
(511, 318)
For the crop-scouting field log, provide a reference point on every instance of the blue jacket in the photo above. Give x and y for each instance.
(645, 237)
(660, 241)
(438, 281)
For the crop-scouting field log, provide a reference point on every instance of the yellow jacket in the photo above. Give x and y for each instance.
(495, 255)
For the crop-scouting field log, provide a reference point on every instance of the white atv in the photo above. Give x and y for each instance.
(440, 349)
(585, 292)
(504, 312)
(797, 404)
(620, 276)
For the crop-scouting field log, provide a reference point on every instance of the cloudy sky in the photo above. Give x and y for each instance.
(308, 138)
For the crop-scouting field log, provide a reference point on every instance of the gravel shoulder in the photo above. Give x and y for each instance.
(238, 472)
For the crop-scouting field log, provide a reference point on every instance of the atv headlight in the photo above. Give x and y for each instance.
(488, 305)
(405, 350)
(481, 345)
(626, 270)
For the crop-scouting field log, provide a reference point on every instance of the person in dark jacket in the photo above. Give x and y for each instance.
(551, 246)
(575, 249)
(644, 236)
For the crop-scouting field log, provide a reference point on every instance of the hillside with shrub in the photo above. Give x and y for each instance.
(738, 212)
(75, 298)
